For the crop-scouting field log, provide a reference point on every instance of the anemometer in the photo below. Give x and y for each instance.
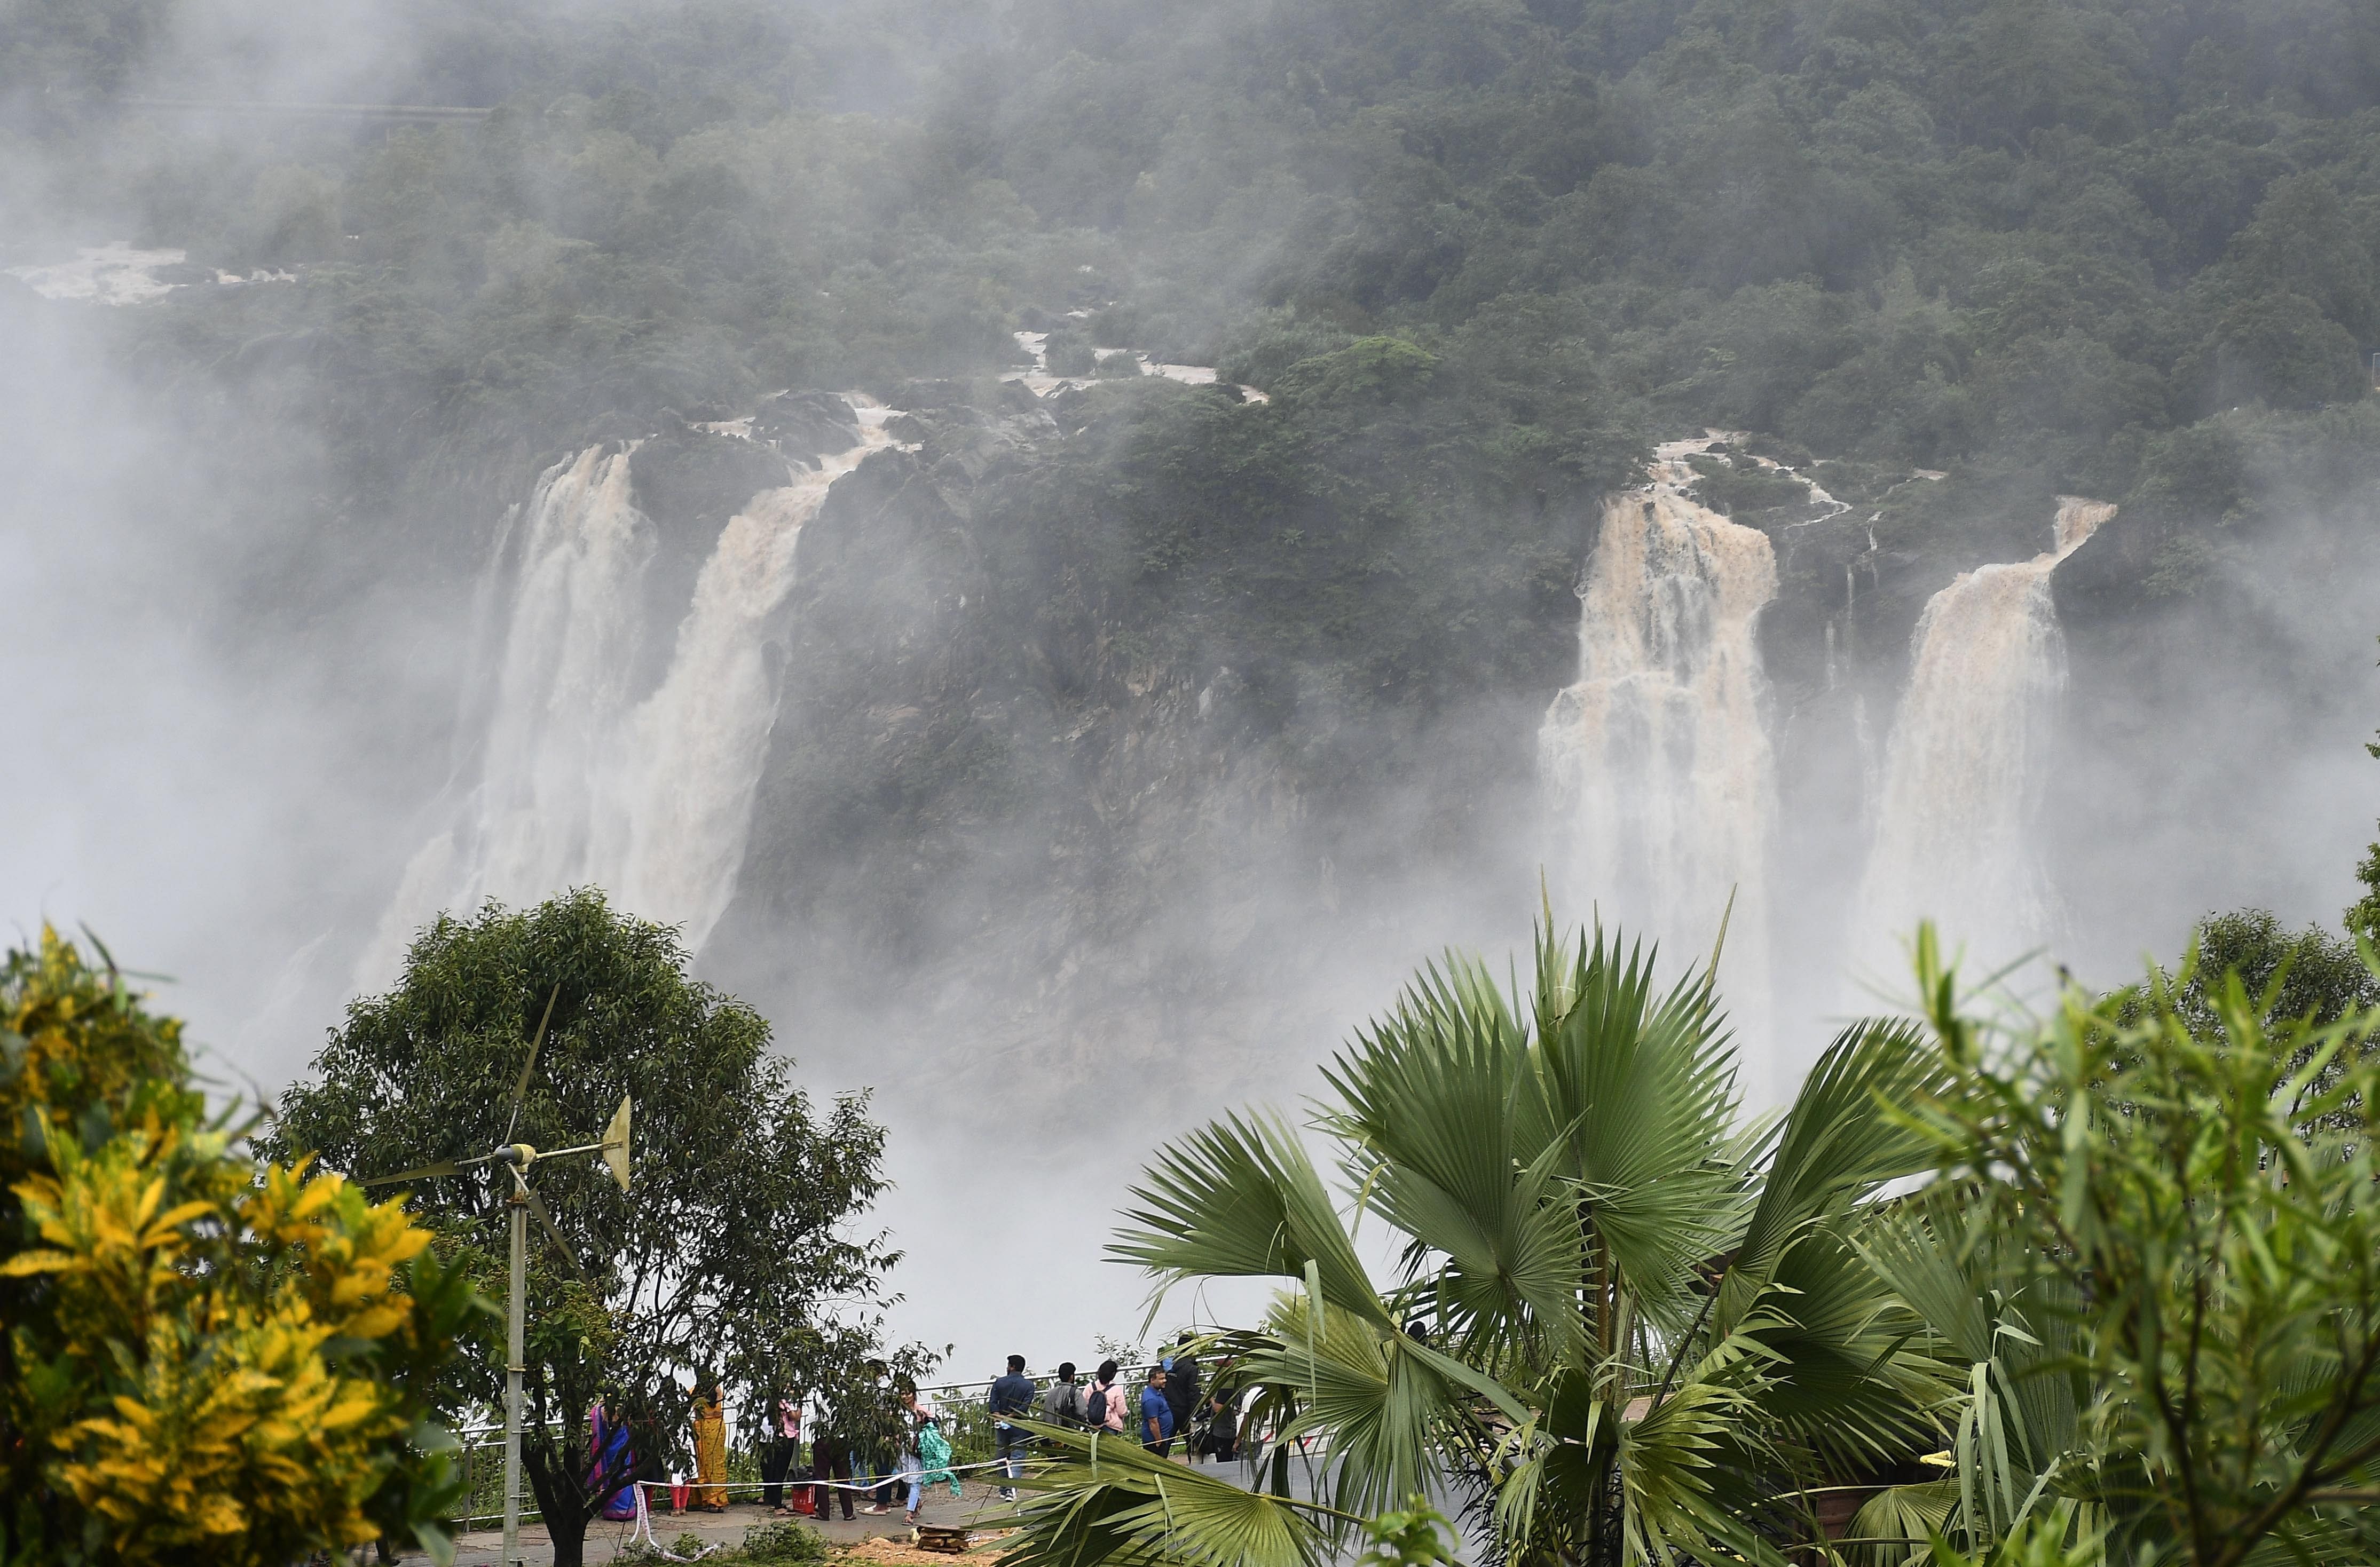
(516, 1158)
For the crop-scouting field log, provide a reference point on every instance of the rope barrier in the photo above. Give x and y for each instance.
(878, 1483)
(645, 1529)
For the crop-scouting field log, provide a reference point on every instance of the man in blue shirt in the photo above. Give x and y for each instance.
(1156, 1415)
(1012, 1396)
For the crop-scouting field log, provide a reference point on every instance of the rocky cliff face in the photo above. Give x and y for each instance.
(989, 817)
(1005, 812)
(1019, 831)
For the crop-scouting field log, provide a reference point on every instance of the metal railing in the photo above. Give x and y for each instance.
(483, 1475)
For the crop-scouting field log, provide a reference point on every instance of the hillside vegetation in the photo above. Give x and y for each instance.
(1479, 254)
(2041, 235)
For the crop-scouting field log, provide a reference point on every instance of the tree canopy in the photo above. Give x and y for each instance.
(733, 1253)
(2069, 245)
(205, 1359)
(2133, 1316)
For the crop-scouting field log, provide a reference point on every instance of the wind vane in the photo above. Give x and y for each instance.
(517, 1157)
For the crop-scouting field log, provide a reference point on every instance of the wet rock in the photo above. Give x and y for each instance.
(806, 424)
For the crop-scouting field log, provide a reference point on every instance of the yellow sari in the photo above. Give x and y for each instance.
(709, 1453)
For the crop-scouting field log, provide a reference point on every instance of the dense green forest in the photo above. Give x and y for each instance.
(1479, 254)
(2077, 239)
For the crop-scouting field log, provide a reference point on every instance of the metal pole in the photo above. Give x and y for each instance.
(513, 1366)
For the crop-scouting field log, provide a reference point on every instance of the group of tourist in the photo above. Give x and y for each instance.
(841, 1466)
(1166, 1407)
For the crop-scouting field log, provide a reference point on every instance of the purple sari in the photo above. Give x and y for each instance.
(614, 1464)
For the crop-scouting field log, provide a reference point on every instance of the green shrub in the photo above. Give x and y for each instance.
(766, 1545)
(1072, 357)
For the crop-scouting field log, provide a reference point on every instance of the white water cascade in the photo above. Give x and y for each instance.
(1963, 767)
(1657, 762)
(578, 781)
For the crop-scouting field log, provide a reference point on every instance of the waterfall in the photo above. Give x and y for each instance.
(1964, 767)
(579, 780)
(1657, 762)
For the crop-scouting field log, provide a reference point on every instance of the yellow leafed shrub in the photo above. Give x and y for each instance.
(206, 1361)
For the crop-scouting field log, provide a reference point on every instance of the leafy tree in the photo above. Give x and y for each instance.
(1625, 1327)
(205, 1360)
(2309, 974)
(2281, 348)
(2194, 1207)
(2363, 919)
(731, 1255)
(2363, 914)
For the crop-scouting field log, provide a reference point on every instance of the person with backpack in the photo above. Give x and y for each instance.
(1062, 1405)
(1010, 1395)
(1108, 1407)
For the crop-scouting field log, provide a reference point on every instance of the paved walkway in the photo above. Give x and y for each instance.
(979, 1508)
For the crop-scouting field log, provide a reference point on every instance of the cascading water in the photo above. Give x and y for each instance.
(682, 787)
(1657, 762)
(1962, 770)
(578, 782)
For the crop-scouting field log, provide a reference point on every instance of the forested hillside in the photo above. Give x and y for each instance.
(1961, 255)
(2040, 233)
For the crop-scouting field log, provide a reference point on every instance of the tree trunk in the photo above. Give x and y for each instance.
(561, 1498)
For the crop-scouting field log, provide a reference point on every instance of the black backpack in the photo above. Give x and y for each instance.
(1070, 1407)
(1097, 1414)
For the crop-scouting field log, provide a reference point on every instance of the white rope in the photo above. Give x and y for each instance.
(789, 1483)
(645, 1529)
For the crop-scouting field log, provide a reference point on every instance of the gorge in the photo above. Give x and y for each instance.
(622, 735)
(1246, 583)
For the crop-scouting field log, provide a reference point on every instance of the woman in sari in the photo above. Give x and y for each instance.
(608, 1442)
(710, 1450)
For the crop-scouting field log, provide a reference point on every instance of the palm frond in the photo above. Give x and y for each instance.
(1389, 1404)
(1986, 1305)
(1856, 1383)
(1835, 1146)
(1240, 1199)
(1891, 1528)
(1101, 1498)
(1640, 1086)
(1427, 1102)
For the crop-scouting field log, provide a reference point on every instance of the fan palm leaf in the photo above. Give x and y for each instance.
(1834, 1147)
(1428, 1103)
(1104, 1498)
(1240, 1199)
(1624, 1318)
(1638, 1084)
